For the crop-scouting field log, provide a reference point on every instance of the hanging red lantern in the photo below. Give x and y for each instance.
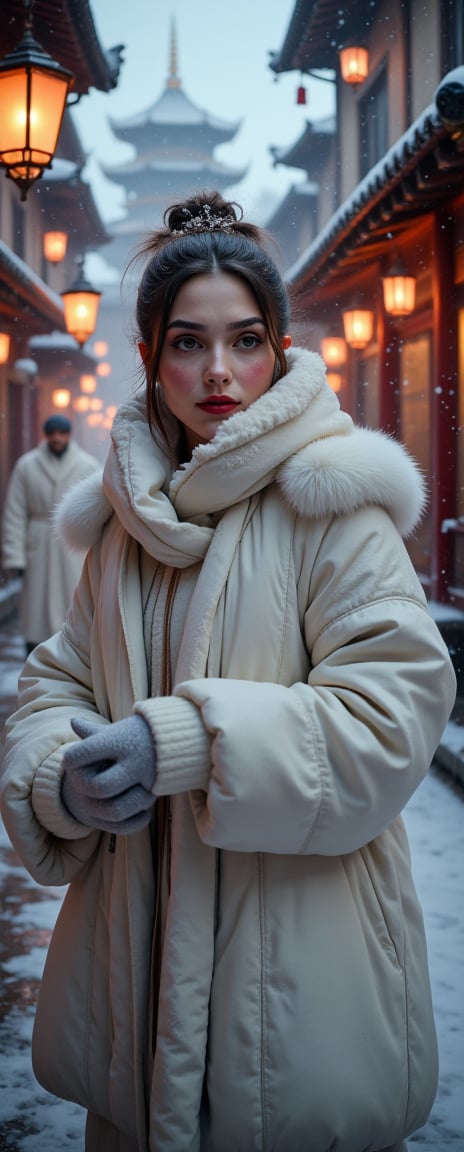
(301, 94)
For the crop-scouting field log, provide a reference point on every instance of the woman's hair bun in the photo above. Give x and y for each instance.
(207, 208)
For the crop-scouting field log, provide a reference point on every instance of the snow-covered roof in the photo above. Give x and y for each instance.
(138, 167)
(26, 288)
(56, 342)
(387, 174)
(175, 108)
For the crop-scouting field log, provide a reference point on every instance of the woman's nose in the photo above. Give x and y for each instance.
(218, 370)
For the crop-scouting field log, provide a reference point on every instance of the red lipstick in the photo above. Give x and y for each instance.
(218, 405)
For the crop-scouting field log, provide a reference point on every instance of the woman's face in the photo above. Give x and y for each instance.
(217, 357)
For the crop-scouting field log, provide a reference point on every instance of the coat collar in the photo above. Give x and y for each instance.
(295, 434)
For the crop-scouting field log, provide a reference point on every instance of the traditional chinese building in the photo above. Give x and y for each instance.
(381, 282)
(296, 220)
(174, 142)
(31, 307)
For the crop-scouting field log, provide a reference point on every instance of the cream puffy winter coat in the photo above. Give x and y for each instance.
(310, 692)
(51, 571)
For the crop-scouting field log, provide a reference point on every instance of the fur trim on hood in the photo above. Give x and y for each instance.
(333, 476)
(295, 435)
(336, 475)
(81, 515)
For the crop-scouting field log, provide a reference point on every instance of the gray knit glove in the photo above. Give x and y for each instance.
(109, 775)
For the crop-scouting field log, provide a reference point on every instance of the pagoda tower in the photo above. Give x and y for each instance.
(174, 143)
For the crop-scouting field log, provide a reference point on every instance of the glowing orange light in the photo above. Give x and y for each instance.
(81, 404)
(88, 383)
(33, 91)
(81, 303)
(333, 351)
(399, 294)
(354, 64)
(335, 379)
(61, 397)
(104, 369)
(54, 246)
(359, 327)
(4, 347)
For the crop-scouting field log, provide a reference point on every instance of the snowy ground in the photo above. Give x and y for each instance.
(33, 1121)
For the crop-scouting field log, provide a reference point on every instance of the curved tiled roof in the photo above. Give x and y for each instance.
(420, 169)
(20, 285)
(175, 109)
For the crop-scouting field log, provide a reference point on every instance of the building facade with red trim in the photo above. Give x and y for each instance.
(391, 194)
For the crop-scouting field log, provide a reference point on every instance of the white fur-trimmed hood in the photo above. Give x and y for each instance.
(324, 466)
(338, 475)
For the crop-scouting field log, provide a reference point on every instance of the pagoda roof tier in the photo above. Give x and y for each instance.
(173, 111)
(173, 115)
(312, 147)
(208, 172)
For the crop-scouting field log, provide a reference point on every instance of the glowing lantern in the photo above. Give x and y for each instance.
(81, 303)
(100, 347)
(54, 246)
(399, 293)
(33, 92)
(88, 383)
(358, 324)
(61, 397)
(4, 347)
(104, 369)
(354, 64)
(81, 404)
(333, 351)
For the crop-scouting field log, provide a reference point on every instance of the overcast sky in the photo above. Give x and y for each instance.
(223, 62)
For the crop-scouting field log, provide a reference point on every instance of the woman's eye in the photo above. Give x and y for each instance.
(249, 340)
(186, 343)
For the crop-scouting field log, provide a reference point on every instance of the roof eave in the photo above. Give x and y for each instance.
(284, 59)
(380, 196)
(26, 288)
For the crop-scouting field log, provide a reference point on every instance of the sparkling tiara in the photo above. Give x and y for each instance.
(205, 221)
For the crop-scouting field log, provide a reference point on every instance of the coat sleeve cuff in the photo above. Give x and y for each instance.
(48, 806)
(183, 744)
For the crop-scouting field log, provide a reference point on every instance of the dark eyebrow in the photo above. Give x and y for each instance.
(246, 323)
(186, 324)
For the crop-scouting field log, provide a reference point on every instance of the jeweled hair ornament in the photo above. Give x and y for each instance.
(205, 221)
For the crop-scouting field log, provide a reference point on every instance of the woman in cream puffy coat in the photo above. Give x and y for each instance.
(247, 969)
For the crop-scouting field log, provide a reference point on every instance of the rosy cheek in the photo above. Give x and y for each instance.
(182, 380)
(258, 376)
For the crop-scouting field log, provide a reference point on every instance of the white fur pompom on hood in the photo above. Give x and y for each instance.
(82, 513)
(337, 475)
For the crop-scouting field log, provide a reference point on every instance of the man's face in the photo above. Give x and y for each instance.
(58, 442)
